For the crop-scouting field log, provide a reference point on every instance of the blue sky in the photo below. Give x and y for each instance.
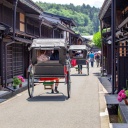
(96, 3)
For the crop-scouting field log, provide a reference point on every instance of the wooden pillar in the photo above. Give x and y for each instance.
(1, 60)
(109, 59)
(15, 2)
(113, 28)
(105, 56)
(40, 30)
(70, 36)
(101, 45)
(53, 33)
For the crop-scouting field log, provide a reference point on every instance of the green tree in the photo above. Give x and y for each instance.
(97, 39)
(85, 16)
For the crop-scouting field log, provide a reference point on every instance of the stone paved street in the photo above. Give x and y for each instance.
(55, 111)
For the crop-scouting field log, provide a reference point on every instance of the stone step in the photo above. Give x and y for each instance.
(111, 99)
(2, 100)
(118, 125)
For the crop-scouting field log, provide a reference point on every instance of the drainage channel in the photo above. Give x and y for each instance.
(114, 114)
(118, 112)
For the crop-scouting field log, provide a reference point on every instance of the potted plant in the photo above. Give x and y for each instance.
(123, 95)
(16, 82)
(21, 79)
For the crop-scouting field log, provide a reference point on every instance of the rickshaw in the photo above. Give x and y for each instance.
(77, 59)
(45, 72)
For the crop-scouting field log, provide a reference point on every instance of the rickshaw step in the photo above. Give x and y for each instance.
(48, 85)
(47, 88)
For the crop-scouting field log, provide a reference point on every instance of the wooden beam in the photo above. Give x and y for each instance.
(122, 39)
(32, 16)
(46, 24)
(123, 23)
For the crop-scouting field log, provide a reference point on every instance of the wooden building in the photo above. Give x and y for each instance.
(62, 25)
(114, 28)
(21, 21)
(20, 16)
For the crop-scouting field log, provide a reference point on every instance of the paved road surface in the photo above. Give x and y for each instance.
(55, 111)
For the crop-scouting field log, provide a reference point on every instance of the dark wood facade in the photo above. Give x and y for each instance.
(14, 45)
(21, 17)
(114, 27)
(62, 27)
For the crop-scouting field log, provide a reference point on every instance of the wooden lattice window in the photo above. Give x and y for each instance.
(123, 49)
(14, 60)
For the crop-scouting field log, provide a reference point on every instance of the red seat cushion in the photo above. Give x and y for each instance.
(48, 79)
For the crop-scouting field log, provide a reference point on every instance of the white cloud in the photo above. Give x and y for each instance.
(96, 3)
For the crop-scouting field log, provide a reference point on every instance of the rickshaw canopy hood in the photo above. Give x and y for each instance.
(48, 43)
(77, 47)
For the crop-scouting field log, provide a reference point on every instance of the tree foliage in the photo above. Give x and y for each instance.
(97, 39)
(85, 16)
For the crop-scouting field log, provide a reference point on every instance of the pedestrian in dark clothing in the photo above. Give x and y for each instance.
(97, 58)
(80, 66)
(55, 56)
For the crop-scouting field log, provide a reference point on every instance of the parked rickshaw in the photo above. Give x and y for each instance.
(45, 72)
(79, 56)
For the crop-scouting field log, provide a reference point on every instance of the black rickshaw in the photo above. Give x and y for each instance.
(43, 72)
(79, 56)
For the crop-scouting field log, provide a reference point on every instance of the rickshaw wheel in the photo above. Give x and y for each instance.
(30, 85)
(68, 85)
(88, 69)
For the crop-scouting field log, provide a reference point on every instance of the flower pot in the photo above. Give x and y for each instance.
(15, 86)
(126, 101)
(20, 85)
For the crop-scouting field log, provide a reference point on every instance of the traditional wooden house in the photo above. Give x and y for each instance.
(77, 39)
(19, 24)
(114, 28)
(62, 27)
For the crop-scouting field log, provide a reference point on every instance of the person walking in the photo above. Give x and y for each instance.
(80, 66)
(91, 57)
(97, 58)
(79, 54)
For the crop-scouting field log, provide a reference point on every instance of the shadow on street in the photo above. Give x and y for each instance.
(96, 74)
(48, 97)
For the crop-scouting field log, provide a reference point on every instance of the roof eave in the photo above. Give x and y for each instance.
(32, 5)
(104, 8)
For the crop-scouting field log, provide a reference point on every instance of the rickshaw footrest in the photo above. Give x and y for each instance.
(47, 86)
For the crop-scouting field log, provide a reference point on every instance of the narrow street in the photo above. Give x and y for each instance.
(55, 110)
